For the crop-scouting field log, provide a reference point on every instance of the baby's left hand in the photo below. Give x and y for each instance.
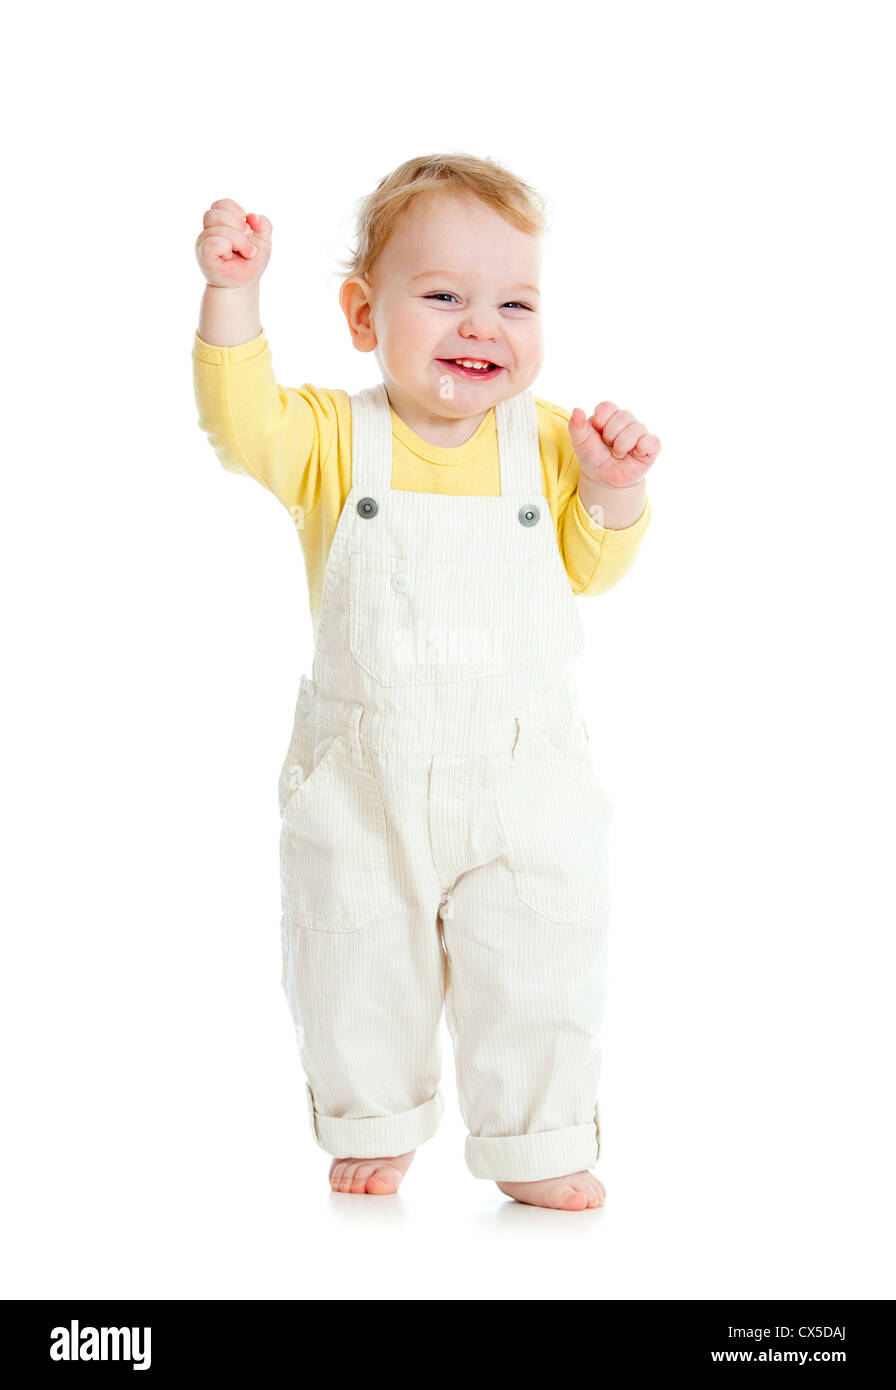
(612, 446)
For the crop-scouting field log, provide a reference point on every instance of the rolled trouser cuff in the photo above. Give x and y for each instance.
(529, 1157)
(376, 1136)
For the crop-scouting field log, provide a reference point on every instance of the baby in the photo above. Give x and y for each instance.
(444, 831)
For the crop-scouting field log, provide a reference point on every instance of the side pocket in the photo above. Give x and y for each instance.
(555, 818)
(293, 778)
(299, 755)
(334, 852)
(293, 771)
(306, 756)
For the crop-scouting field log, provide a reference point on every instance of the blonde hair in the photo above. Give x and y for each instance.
(431, 175)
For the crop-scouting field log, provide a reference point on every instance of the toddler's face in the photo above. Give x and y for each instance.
(455, 280)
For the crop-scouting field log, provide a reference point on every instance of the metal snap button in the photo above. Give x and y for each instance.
(367, 507)
(400, 583)
(528, 515)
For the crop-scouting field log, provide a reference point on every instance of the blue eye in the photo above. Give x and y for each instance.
(444, 294)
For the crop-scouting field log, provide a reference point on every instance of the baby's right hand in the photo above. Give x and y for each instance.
(234, 246)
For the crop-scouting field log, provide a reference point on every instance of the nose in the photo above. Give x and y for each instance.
(479, 324)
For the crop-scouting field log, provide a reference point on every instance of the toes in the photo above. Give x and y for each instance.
(594, 1191)
(379, 1187)
(336, 1174)
(354, 1176)
(343, 1176)
(573, 1199)
(360, 1176)
(382, 1182)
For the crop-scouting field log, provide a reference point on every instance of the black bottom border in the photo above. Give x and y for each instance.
(264, 1337)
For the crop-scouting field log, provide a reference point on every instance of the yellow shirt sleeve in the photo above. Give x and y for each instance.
(296, 441)
(595, 557)
(280, 435)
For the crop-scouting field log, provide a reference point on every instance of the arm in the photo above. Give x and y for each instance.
(597, 550)
(614, 452)
(254, 425)
(597, 557)
(229, 316)
(612, 507)
(611, 511)
(275, 434)
(233, 250)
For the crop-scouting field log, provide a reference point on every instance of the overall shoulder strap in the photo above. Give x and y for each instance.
(518, 447)
(371, 442)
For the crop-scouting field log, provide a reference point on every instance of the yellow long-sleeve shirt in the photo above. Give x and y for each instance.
(297, 442)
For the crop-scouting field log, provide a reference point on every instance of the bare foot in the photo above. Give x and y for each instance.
(574, 1192)
(378, 1176)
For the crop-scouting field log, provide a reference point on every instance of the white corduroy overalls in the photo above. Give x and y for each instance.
(444, 832)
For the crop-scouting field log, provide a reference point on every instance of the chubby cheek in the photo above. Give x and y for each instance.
(412, 342)
(528, 348)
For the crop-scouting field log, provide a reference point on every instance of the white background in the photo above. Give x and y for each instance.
(719, 263)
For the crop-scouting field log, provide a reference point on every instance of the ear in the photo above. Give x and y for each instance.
(355, 296)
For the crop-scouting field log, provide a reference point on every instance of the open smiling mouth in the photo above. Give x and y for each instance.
(469, 373)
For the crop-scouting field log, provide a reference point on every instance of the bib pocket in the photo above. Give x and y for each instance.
(555, 816)
(334, 857)
(417, 622)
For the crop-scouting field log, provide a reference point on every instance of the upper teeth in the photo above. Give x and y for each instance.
(471, 362)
